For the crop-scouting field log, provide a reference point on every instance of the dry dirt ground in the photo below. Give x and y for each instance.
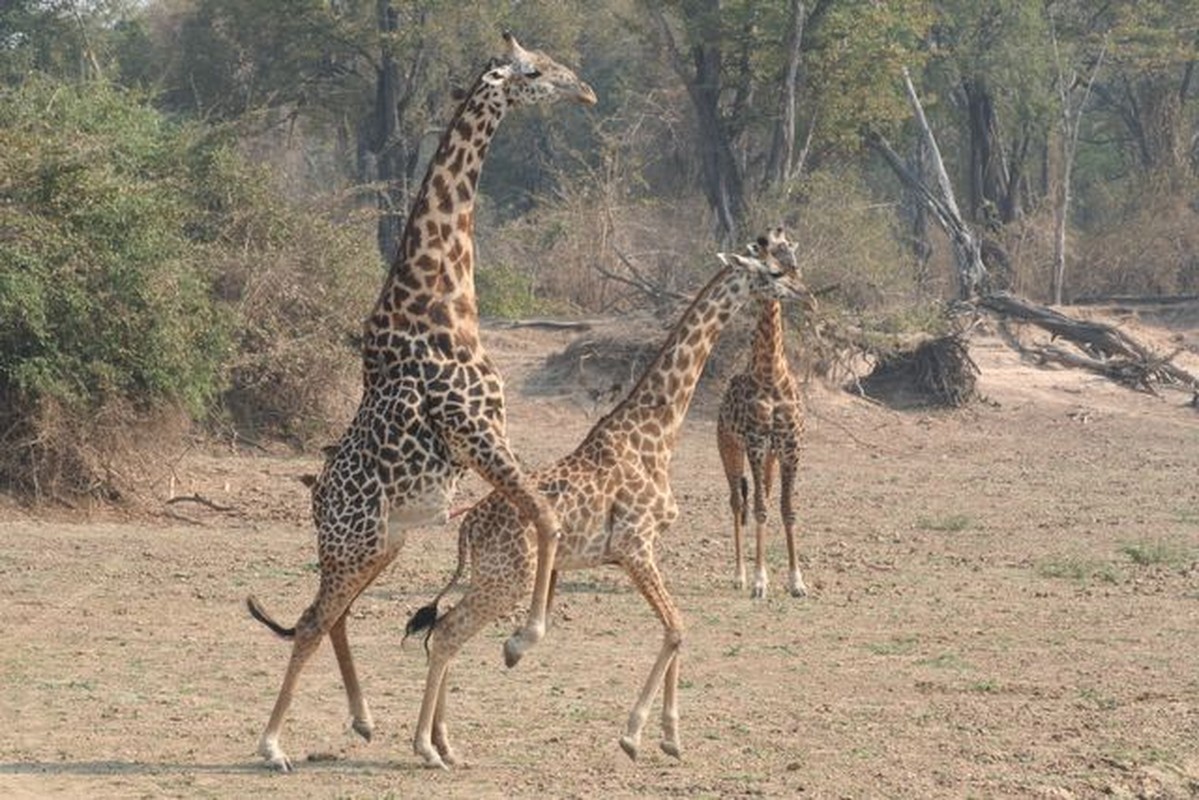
(1005, 604)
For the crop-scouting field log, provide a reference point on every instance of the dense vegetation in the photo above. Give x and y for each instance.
(197, 196)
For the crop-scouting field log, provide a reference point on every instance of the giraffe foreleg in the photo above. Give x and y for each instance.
(486, 449)
(795, 581)
(732, 457)
(670, 709)
(548, 535)
(757, 460)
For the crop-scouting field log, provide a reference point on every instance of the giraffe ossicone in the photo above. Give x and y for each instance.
(432, 401)
(613, 498)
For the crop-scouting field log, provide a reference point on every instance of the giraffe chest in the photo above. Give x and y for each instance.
(772, 411)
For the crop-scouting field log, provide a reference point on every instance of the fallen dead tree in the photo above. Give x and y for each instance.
(1101, 348)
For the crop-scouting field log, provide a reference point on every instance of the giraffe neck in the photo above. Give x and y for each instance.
(768, 361)
(658, 403)
(430, 288)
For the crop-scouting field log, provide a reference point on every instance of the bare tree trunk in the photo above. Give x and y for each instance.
(1071, 125)
(392, 193)
(722, 177)
(972, 274)
(782, 149)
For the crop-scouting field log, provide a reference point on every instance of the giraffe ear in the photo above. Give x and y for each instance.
(498, 76)
(733, 260)
(522, 59)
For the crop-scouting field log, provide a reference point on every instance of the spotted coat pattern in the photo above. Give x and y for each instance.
(613, 498)
(432, 402)
(761, 421)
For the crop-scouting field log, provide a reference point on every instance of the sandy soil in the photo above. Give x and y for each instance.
(1005, 604)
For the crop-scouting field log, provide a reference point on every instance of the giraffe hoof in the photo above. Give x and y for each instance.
(669, 748)
(276, 759)
(758, 593)
(430, 757)
(512, 652)
(281, 763)
(363, 728)
(799, 591)
(448, 757)
(629, 746)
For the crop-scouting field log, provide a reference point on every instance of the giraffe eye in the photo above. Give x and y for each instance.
(532, 74)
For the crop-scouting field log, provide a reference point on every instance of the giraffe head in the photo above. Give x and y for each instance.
(775, 244)
(530, 77)
(776, 254)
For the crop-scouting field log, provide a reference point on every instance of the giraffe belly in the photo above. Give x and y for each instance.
(426, 505)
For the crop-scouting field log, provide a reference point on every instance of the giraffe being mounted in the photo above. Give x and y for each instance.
(432, 402)
(761, 420)
(613, 498)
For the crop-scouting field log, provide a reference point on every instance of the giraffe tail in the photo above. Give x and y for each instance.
(425, 618)
(744, 501)
(259, 613)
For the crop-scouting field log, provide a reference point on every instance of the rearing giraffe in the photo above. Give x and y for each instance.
(432, 401)
(613, 497)
(761, 420)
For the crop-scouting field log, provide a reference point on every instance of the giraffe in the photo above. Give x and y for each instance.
(432, 402)
(761, 420)
(613, 497)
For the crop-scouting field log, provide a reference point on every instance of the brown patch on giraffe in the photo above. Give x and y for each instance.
(463, 127)
(438, 314)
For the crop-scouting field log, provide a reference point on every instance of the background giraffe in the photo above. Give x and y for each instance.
(432, 402)
(760, 421)
(613, 497)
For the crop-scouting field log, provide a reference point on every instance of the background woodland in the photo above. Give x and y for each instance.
(198, 198)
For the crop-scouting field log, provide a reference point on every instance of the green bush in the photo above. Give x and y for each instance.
(146, 268)
(97, 299)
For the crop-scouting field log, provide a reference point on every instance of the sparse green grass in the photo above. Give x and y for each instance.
(1091, 698)
(1080, 569)
(952, 523)
(1187, 515)
(895, 646)
(1157, 551)
(988, 686)
(945, 661)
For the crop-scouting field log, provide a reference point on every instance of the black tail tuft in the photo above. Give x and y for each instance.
(425, 619)
(744, 501)
(258, 613)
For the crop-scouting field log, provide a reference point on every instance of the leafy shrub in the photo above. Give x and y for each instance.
(146, 270)
(100, 307)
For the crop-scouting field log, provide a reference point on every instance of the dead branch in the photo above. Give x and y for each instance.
(547, 324)
(204, 501)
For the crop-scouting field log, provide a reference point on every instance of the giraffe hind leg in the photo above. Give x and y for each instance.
(485, 602)
(795, 581)
(665, 670)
